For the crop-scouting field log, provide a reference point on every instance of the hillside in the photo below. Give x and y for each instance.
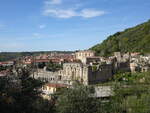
(136, 39)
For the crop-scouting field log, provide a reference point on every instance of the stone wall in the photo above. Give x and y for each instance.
(104, 73)
(44, 75)
(76, 72)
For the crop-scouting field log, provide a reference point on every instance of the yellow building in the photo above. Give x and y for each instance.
(49, 89)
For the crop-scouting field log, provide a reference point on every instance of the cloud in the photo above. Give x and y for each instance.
(68, 13)
(42, 26)
(53, 2)
(89, 13)
(67, 10)
(60, 13)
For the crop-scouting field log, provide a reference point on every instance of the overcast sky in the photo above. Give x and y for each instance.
(38, 25)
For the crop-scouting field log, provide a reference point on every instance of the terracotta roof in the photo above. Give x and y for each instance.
(4, 73)
(7, 62)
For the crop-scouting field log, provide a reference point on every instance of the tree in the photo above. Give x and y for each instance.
(21, 94)
(53, 66)
(134, 39)
(77, 100)
(131, 94)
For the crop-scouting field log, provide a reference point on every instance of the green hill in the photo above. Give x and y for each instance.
(136, 39)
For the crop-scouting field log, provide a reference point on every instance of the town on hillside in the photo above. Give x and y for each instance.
(63, 69)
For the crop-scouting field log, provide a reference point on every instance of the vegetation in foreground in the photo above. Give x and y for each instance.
(21, 94)
(131, 95)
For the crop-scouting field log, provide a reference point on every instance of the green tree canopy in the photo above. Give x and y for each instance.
(77, 100)
(21, 94)
(136, 39)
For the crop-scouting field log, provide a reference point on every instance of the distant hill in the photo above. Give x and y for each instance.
(5, 56)
(136, 39)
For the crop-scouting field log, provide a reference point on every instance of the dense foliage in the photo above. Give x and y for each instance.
(132, 93)
(77, 100)
(21, 94)
(136, 39)
(132, 78)
(53, 66)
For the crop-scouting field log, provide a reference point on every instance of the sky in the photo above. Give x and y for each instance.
(65, 25)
